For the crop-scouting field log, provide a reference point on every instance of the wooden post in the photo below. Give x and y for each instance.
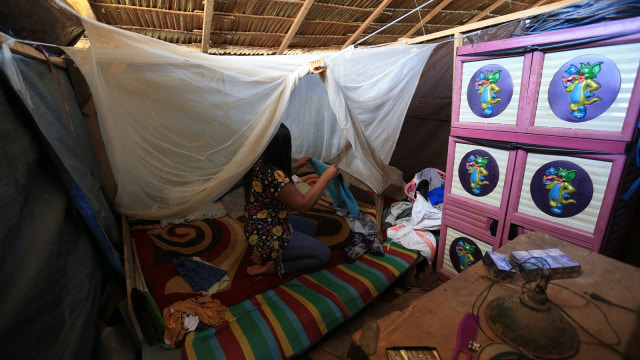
(457, 41)
(206, 25)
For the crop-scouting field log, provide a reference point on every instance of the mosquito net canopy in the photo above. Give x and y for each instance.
(181, 128)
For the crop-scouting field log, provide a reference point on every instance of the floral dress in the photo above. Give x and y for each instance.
(266, 219)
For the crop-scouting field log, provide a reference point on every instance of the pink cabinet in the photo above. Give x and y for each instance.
(543, 138)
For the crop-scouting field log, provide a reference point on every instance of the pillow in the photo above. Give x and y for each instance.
(234, 202)
(212, 210)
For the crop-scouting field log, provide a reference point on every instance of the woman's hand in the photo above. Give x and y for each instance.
(300, 163)
(295, 200)
(331, 172)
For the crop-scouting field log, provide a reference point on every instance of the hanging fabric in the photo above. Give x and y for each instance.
(181, 128)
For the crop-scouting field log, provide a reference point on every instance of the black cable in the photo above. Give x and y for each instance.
(602, 299)
(529, 279)
(587, 300)
(610, 346)
(476, 311)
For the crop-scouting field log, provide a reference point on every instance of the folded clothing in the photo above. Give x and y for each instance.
(199, 274)
(185, 316)
(361, 244)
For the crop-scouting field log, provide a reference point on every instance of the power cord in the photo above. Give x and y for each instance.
(591, 298)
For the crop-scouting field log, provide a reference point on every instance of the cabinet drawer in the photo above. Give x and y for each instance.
(459, 251)
(488, 92)
(461, 215)
(479, 175)
(569, 195)
(586, 92)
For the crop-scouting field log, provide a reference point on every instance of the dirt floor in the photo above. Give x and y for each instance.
(338, 345)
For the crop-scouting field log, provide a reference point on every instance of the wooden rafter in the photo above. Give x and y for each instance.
(491, 22)
(486, 11)
(83, 8)
(295, 26)
(368, 22)
(119, 7)
(429, 16)
(206, 25)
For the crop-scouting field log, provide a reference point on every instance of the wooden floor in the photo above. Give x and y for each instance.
(409, 288)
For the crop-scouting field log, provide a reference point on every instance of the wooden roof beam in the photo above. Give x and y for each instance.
(206, 25)
(295, 26)
(487, 11)
(83, 8)
(368, 22)
(144, 9)
(429, 16)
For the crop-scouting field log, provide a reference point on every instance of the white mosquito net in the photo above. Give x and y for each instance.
(181, 128)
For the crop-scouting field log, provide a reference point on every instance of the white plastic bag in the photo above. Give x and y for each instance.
(424, 217)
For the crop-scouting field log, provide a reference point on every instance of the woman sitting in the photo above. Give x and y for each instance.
(281, 243)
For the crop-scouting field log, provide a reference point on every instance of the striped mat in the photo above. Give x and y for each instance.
(286, 320)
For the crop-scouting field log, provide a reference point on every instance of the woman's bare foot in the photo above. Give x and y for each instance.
(267, 268)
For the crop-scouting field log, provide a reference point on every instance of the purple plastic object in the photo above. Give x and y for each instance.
(467, 332)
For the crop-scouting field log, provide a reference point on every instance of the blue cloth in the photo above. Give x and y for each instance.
(436, 196)
(200, 275)
(338, 189)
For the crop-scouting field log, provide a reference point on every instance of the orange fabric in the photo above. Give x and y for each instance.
(210, 311)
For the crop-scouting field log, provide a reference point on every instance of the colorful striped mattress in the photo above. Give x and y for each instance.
(286, 320)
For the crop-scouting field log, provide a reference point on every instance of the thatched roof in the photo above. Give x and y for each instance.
(267, 27)
(270, 27)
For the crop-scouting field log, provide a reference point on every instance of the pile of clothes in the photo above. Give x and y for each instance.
(411, 222)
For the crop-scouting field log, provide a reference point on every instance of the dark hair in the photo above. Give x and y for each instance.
(278, 152)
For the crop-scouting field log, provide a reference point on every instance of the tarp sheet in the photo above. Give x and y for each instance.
(52, 268)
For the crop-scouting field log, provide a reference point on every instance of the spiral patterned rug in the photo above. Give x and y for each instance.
(221, 243)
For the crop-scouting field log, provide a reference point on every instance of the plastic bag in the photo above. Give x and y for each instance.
(416, 236)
